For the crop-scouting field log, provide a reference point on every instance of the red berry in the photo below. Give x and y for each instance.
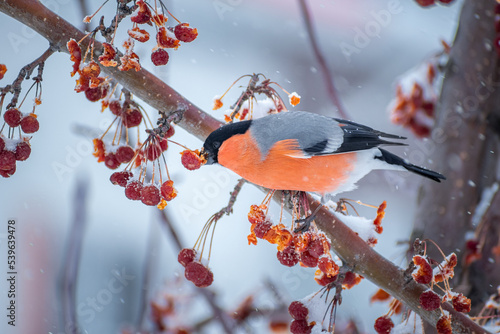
(170, 131)
(168, 191)
(143, 14)
(12, 117)
(429, 300)
(288, 256)
(111, 161)
(115, 107)
(8, 173)
(159, 57)
(445, 1)
(133, 190)
(383, 325)
(2, 144)
(29, 124)
(124, 154)
(316, 248)
(298, 311)
(184, 33)
(150, 195)
(96, 93)
(133, 117)
(120, 178)
(300, 327)
(186, 256)
(23, 151)
(190, 160)
(261, 228)
(164, 144)
(324, 279)
(308, 260)
(425, 3)
(7, 160)
(197, 273)
(423, 273)
(153, 150)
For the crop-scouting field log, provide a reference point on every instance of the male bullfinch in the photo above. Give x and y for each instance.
(303, 151)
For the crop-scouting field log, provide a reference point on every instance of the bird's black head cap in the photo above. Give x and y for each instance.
(216, 138)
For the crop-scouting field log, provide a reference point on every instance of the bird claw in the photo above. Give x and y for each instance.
(305, 224)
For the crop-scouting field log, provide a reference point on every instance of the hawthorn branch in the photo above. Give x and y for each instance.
(159, 95)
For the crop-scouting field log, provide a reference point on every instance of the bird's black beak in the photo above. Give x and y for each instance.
(207, 157)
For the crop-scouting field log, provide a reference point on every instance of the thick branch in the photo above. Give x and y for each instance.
(465, 144)
(156, 93)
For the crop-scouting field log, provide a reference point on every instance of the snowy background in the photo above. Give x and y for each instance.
(235, 37)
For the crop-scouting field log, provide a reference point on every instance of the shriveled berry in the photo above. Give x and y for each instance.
(160, 57)
(300, 327)
(308, 260)
(121, 178)
(461, 303)
(133, 190)
(166, 39)
(327, 266)
(29, 124)
(12, 117)
(186, 256)
(198, 274)
(111, 161)
(443, 325)
(115, 107)
(133, 117)
(351, 279)
(153, 151)
(298, 311)
(184, 33)
(191, 160)
(23, 151)
(423, 273)
(150, 195)
(288, 256)
(8, 173)
(323, 279)
(261, 228)
(124, 154)
(7, 160)
(429, 300)
(143, 14)
(256, 214)
(168, 191)
(383, 325)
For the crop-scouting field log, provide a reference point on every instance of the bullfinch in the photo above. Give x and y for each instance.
(302, 151)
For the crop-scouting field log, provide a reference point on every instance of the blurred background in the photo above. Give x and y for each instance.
(122, 239)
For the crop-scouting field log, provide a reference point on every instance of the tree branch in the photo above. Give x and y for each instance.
(159, 95)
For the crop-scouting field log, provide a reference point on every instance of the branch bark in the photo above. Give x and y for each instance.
(156, 93)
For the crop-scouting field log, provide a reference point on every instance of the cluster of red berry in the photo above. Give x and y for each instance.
(415, 100)
(195, 271)
(427, 3)
(12, 150)
(166, 37)
(300, 313)
(430, 300)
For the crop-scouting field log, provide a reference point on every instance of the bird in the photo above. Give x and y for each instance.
(304, 151)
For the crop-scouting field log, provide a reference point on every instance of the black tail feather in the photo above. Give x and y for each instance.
(395, 160)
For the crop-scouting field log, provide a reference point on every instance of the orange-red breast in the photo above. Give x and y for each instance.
(303, 151)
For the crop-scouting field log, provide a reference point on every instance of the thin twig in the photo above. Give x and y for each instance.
(25, 73)
(151, 250)
(73, 254)
(327, 76)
